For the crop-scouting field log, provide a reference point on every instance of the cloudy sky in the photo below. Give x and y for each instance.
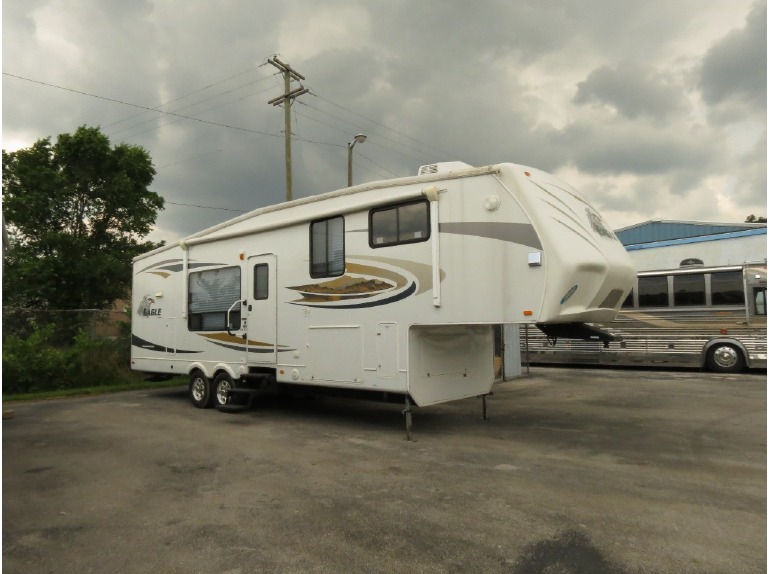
(653, 109)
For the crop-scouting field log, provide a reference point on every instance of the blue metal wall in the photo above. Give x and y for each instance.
(668, 230)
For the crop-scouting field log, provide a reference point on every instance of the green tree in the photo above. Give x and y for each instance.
(754, 219)
(76, 213)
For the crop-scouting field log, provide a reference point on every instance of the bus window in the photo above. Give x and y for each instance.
(689, 290)
(727, 288)
(760, 301)
(629, 302)
(653, 291)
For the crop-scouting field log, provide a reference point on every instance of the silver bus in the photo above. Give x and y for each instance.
(705, 317)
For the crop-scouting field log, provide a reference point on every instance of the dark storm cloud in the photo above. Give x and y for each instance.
(633, 89)
(751, 175)
(600, 90)
(736, 67)
(638, 149)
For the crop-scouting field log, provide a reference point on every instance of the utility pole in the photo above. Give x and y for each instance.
(286, 99)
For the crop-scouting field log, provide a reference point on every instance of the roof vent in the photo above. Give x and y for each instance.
(444, 167)
(428, 169)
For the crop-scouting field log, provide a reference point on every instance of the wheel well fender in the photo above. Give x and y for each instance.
(225, 368)
(192, 367)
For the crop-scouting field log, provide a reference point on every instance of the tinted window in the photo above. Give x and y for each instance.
(689, 290)
(760, 301)
(629, 302)
(407, 223)
(727, 288)
(327, 247)
(261, 279)
(211, 294)
(653, 291)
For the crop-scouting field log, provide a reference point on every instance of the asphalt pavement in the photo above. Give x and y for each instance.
(575, 471)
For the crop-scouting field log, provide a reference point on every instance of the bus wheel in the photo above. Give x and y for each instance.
(222, 383)
(725, 358)
(200, 390)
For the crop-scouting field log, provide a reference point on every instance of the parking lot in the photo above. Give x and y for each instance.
(575, 471)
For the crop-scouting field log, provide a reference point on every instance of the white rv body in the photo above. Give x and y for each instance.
(390, 303)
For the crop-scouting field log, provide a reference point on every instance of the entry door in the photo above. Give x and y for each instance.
(261, 309)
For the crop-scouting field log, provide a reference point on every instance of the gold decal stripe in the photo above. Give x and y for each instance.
(225, 338)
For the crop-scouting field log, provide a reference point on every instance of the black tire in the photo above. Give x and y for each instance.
(222, 383)
(201, 393)
(725, 358)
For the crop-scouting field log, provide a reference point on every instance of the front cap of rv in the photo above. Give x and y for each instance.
(588, 271)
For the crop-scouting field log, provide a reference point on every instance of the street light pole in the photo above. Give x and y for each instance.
(360, 138)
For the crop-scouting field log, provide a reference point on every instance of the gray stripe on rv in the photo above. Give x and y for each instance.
(522, 233)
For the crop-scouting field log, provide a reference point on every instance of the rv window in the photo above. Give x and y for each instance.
(653, 291)
(406, 223)
(211, 294)
(261, 281)
(327, 247)
(727, 288)
(760, 301)
(689, 290)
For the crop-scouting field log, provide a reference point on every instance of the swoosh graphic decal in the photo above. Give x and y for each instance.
(403, 295)
(154, 265)
(521, 233)
(175, 265)
(251, 349)
(240, 344)
(422, 271)
(147, 345)
(348, 287)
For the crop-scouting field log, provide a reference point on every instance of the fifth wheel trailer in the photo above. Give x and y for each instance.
(391, 287)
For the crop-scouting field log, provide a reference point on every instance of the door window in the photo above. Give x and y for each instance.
(261, 282)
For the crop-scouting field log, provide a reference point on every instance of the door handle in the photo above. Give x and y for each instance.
(227, 317)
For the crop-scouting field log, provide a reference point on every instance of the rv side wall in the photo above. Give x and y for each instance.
(342, 290)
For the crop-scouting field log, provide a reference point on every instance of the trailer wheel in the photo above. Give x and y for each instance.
(725, 358)
(222, 383)
(200, 390)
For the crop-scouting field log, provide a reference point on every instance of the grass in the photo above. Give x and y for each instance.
(97, 390)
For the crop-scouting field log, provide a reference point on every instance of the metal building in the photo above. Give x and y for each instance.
(661, 244)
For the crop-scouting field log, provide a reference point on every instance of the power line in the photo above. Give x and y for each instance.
(179, 119)
(124, 103)
(347, 133)
(359, 154)
(177, 110)
(444, 153)
(205, 206)
(362, 128)
(204, 88)
(189, 158)
(116, 101)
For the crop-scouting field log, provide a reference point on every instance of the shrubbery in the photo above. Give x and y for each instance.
(35, 362)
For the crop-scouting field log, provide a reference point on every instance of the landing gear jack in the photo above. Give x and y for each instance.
(408, 414)
(484, 406)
